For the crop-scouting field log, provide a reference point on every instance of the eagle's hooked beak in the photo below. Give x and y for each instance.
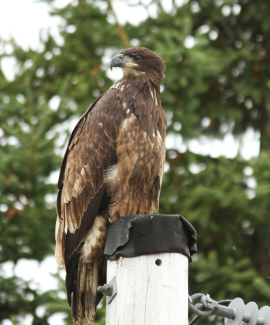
(117, 61)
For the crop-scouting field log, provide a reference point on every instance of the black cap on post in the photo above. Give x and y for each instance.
(138, 235)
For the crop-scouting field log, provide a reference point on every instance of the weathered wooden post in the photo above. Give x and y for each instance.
(148, 262)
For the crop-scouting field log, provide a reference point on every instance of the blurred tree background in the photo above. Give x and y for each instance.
(217, 86)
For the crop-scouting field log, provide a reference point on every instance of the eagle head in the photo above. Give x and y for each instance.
(139, 61)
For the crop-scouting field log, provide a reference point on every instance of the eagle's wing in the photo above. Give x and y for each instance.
(83, 202)
(91, 150)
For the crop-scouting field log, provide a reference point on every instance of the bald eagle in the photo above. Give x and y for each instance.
(113, 166)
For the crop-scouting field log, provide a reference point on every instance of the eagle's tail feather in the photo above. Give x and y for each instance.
(72, 274)
(90, 292)
(82, 280)
(78, 303)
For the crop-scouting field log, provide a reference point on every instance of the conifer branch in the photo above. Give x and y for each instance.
(122, 33)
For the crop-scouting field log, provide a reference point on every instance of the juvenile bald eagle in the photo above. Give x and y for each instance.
(113, 166)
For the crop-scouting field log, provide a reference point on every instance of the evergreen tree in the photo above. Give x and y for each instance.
(217, 84)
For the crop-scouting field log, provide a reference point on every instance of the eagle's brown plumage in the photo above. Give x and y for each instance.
(113, 166)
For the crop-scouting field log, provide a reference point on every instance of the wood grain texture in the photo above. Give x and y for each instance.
(148, 294)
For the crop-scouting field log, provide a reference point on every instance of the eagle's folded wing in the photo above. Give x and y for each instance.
(91, 150)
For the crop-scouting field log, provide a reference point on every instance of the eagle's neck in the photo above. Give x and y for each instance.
(141, 86)
(141, 97)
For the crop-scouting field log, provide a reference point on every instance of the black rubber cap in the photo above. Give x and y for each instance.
(143, 234)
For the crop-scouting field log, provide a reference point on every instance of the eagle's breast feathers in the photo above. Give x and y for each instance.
(140, 149)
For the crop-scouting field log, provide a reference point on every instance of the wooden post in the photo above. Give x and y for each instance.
(151, 290)
(148, 258)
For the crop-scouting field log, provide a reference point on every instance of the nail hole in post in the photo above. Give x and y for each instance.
(158, 262)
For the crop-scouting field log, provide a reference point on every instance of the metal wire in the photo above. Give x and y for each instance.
(225, 301)
(237, 312)
(197, 296)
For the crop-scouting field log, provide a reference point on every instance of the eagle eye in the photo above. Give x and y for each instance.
(137, 58)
